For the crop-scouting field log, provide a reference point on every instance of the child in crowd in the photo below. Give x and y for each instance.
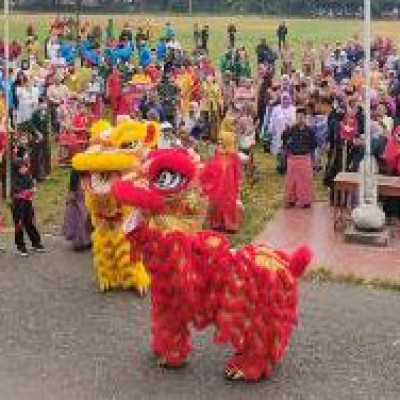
(319, 127)
(76, 227)
(246, 134)
(23, 188)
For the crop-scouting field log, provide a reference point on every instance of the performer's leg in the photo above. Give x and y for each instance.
(29, 224)
(170, 336)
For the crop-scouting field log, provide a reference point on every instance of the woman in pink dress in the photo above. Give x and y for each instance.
(299, 144)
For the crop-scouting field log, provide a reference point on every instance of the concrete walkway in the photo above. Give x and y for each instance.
(60, 339)
(291, 227)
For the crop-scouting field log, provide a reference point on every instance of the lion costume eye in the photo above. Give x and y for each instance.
(169, 171)
(134, 145)
(169, 180)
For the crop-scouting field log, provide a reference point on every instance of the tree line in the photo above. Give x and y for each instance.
(266, 7)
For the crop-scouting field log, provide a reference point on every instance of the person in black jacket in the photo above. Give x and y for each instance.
(265, 55)
(205, 35)
(23, 188)
(41, 152)
(232, 35)
(196, 36)
(282, 32)
(299, 144)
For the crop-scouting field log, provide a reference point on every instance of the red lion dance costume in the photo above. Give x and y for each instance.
(249, 294)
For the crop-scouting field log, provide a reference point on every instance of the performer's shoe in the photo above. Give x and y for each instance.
(39, 248)
(22, 252)
(234, 375)
(162, 363)
(142, 292)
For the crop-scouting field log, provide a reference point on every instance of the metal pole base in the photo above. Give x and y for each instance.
(378, 239)
(368, 218)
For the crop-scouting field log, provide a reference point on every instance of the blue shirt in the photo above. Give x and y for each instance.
(11, 98)
(67, 52)
(144, 57)
(161, 51)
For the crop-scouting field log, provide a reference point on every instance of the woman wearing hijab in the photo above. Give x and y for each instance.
(193, 121)
(283, 116)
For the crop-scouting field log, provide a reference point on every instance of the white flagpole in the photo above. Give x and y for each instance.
(7, 94)
(368, 216)
(367, 46)
(368, 195)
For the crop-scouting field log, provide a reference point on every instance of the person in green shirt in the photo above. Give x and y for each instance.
(110, 32)
(241, 66)
(227, 62)
(104, 69)
(125, 71)
(126, 33)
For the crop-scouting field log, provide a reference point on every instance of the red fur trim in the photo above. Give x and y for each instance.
(127, 193)
(177, 160)
(301, 258)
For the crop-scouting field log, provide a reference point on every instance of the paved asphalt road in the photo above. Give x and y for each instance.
(62, 339)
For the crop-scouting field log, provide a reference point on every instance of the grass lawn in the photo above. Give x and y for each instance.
(251, 29)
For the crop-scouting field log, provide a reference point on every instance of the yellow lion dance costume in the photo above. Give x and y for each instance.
(113, 153)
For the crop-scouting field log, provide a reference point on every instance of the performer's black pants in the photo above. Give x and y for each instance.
(23, 216)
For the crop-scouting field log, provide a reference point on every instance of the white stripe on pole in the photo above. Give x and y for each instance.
(367, 47)
(368, 184)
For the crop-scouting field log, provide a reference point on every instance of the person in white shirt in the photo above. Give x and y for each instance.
(35, 92)
(392, 59)
(24, 100)
(283, 116)
(174, 45)
(58, 61)
(52, 48)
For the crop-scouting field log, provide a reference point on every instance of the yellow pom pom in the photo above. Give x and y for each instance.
(99, 127)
